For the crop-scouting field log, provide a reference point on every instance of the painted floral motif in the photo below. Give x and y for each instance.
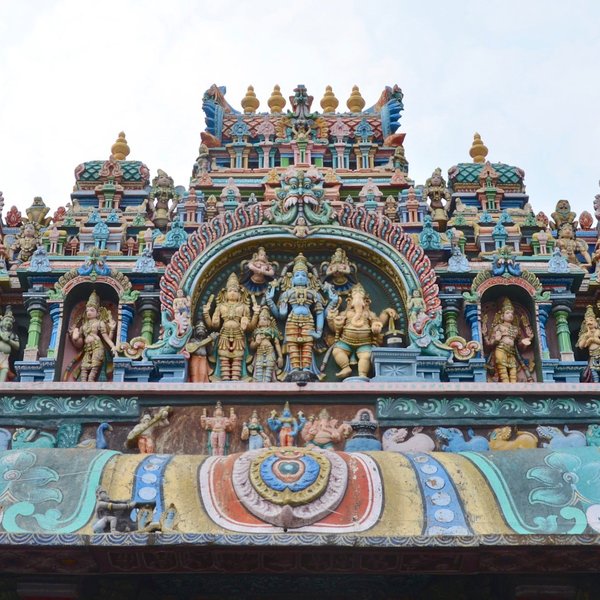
(22, 481)
(565, 480)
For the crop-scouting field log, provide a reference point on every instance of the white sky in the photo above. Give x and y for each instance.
(524, 74)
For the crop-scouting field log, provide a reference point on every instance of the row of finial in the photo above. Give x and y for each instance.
(329, 102)
(120, 149)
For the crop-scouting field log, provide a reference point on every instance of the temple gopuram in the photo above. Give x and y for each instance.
(300, 374)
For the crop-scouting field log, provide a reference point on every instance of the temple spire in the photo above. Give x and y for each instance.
(120, 149)
(478, 149)
(356, 102)
(250, 102)
(276, 102)
(329, 102)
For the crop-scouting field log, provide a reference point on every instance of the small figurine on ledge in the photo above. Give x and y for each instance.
(9, 342)
(286, 425)
(254, 433)
(113, 514)
(218, 426)
(589, 339)
(142, 434)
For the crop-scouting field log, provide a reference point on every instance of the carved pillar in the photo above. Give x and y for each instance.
(561, 315)
(126, 319)
(56, 310)
(36, 307)
(450, 315)
(149, 310)
(543, 314)
(472, 316)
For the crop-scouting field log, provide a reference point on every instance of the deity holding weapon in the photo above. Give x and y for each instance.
(91, 334)
(232, 318)
(508, 331)
(142, 434)
(286, 425)
(357, 331)
(303, 308)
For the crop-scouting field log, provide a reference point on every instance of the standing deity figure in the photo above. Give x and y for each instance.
(357, 331)
(9, 342)
(198, 349)
(90, 335)
(142, 434)
(324, 432)
(304, 311)
(589, 339)
(258, 272)
(508, 331)
(416, 308)
(232, 319)
(266, 347)
(439, 197)
(569, 246)
(254, 433)
(218, 426)
(286, 425)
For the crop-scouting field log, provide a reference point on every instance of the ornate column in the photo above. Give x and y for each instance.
(126, 319)
(472, 316)
(56, 310)
(543, 314)
(450, 316)
(561, 315)
(149, 310)
(36, 307)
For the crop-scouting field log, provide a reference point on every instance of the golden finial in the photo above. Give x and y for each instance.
(478, 150)
(356, 102)
(329, 102)
(120, 150)
(250, 102)
(276, 102)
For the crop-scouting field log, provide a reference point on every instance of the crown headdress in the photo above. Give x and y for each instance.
(93, 301)
(233, 283)
(300, 263)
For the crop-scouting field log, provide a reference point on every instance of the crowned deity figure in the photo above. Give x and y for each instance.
(357, 331)
(589, 339)
(9, 342)
(323, 431)
(92, 334)
(142, 435)
(339, 271)
(232, 318)
(258, 272)
(570, 246)
(266, 346)
(508, 331)
(286, 425)
(254, 433)
(303, 308)
(218, 426)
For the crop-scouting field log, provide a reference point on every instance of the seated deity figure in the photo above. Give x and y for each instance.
(303, 308)
(569, 246)
(258, 272)
(357, 331)
(232, 318)
(266, 347)
(339, 271)
(92, 333)
(589, 339)
(508, 331)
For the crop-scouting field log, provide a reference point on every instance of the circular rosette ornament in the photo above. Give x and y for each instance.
(290, 487)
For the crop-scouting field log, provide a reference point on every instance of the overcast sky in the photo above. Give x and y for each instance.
(524, 74)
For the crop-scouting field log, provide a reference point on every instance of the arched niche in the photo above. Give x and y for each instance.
(522, 295)
(73, 310)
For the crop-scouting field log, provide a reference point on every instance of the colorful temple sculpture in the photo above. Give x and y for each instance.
(302, 367)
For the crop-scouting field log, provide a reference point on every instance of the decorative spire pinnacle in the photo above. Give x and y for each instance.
(250, 102)
(329, 102)
(478, 150)
(356, 102)
(276, 102)
(120, 150)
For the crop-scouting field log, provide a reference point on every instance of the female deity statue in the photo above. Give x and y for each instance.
(508, 331)
(304, 311)
(198, 347)
(254, 433)
(9, 342)
(218, 427)
(232, 319)
(589, 339)
(357, 331)
(91, 334)
(258, 272)
(286, 425)
(266, 347)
